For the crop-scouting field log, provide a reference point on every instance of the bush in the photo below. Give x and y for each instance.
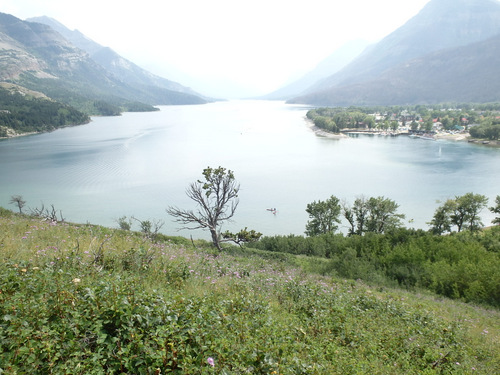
(84, 299)
(461, 266)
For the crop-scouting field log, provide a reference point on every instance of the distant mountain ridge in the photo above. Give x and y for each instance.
(39, 58)
(464, 74)
(332, 64)
(441, 25)
(120, 67)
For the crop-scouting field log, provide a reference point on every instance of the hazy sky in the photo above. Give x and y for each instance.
(224, 47)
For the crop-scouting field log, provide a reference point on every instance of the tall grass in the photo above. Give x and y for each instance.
(83, 299)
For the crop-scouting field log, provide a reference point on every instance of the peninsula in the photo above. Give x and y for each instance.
(474, 122)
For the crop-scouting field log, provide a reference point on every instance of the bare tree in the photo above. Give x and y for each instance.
(217, 200)
(47, 214)
(18, 201)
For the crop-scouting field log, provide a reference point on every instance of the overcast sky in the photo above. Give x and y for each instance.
(225, 47)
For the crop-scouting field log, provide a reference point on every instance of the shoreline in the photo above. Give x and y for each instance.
(323, 133)
(12, 134)
(459, 137)
(453, 137)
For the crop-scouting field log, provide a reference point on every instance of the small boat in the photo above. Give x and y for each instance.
(427, 137)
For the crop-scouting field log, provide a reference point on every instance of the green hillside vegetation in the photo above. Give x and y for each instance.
(92, 98)
(24, 113)
(462, 266)
(84, 299)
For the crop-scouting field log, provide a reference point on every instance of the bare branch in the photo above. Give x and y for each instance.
(217, 200)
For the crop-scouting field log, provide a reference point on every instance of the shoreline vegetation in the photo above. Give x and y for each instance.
(457, 137)
(475, 123)
(13, 134)
(343, 135)
(81, 298)
(428, 122)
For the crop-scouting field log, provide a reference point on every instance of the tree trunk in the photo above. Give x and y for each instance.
(215, 238)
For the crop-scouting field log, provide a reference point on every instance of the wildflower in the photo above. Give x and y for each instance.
(211, 361)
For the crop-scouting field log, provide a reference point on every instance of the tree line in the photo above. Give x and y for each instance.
(379, 215)
(455, 258)
(481, 120)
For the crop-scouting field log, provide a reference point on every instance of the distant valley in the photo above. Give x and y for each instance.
(448, 53)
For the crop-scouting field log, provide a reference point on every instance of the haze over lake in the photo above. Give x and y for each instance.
(140, 163)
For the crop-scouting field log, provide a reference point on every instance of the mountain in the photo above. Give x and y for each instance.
(440, 25)
(332, 64)
(463, 74)
(35, 56)
(121, 68)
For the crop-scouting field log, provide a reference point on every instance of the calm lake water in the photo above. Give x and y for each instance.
(140, 163)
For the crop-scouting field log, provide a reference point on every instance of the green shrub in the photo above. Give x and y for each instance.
(82, 299)
(461, 266)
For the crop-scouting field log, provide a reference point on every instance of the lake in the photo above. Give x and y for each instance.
(140, 163)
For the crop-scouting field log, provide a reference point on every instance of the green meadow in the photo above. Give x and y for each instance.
(85, 299)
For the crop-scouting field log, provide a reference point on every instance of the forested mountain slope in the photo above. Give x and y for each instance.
(37, 57)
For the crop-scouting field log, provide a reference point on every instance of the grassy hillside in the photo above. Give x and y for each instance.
(83, 299)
